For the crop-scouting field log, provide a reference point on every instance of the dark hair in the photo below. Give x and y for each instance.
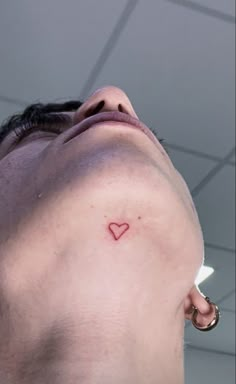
(32, 111)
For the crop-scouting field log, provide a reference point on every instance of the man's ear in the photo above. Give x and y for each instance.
(197, 299)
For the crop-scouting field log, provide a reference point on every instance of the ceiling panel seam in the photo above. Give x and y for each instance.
(219, 248)
(212, 173)
(208, 350)
(16, 102)
(109, 47)
(203, 9)
(195, 153)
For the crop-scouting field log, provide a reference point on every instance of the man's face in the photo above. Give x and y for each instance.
(60, 191)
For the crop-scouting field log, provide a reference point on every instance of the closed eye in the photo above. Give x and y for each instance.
(54, 122)
(51, 122)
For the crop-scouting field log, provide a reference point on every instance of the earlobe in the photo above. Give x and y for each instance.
(195, 299)
(203, 313)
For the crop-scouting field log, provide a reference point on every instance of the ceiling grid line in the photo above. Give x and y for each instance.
(195, 153)
(16, 102)
(212, 173)
(190, 346)
(226, 296)
(219, 248)
(203, 9)
(227, 310)
(109, 46)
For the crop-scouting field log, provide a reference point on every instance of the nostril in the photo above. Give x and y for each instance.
(120, 108)
(94, 110)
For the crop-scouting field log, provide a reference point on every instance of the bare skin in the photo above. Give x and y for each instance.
(100, 245)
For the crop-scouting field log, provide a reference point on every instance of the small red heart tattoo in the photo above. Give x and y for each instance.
(118, 229)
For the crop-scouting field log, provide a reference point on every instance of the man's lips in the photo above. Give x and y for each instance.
(111, 117)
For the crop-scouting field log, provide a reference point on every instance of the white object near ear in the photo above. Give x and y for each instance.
(203, 274)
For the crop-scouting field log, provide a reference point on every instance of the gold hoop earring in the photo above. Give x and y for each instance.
(209, 326)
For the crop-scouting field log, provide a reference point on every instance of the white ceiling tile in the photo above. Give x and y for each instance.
(233, 157)
(229, 303)
(49, 47)
(8, 109)
(216, 208)
(221, 339)
(178, 68)
(226, 6)
(192, 168)
(207, 367)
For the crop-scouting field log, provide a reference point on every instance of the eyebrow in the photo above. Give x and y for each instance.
(32, 112)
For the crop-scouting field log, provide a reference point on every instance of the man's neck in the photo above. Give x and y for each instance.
(101, 353)
(123, 353)
(116, 363)
(114, 305)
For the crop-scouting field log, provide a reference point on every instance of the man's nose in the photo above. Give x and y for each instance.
(105, 99)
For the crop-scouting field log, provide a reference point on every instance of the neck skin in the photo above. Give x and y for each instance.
(84, 307)
(124, 328)
(127, 323)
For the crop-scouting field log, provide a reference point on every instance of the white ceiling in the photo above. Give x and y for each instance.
(176, 61)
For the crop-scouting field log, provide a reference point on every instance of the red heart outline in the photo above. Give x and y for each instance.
(115, 225)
